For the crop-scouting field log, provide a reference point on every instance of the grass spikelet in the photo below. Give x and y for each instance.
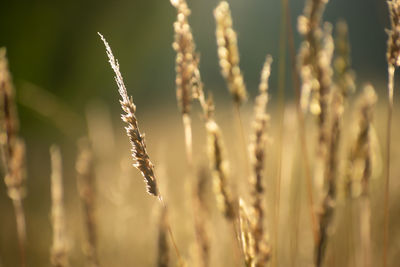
(185, 58)
(257, 155)
(330, 173)
(219, 166)
(360, 153)
(344, 75)
(87, 192)
(309, 25)
(13, 150)
(228, 53)
(186, 69)
(59, 253)
(315, 58)
(393, 59)
(246, 236)
(139, 152)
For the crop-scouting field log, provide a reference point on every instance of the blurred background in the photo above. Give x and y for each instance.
(63, 81)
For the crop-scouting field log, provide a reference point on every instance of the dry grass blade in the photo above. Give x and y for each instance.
(139, 152)
(87, 192)
(228, 52)
(13, 150)
(257, 156)
(59, 253)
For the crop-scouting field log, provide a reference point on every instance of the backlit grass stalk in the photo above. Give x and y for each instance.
(59, 253)
(393, 59)
(186, 65)
(13, 151)
(86, 182)
(257, 156)
(228, 54)
(219, 166)
(344, 78)
(301, 123)
(315, 69)
(331, 169)
(139, 152)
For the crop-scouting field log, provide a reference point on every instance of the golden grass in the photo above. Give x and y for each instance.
(230, 226)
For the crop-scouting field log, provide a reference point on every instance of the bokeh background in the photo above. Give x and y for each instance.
(62, 79)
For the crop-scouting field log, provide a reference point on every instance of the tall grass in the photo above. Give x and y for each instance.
(232, 223)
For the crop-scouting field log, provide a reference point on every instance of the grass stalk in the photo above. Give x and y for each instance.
(301, 123)
(13, 150)
(59, 255)
(391, 72)
(139, 151)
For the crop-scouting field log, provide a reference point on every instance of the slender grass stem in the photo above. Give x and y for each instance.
(187, 125)
(281, 112)
(391, 71)
(302, 133)
(242, 138)
(21, 229)
(170, 233)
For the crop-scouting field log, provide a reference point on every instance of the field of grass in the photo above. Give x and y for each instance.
(253, 180)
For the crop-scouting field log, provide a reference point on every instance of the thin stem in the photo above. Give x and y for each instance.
(391, 71)
(242, 137)
(187, 125)
(171, 235)
(281, 112)
(300, 115)
(21, 230)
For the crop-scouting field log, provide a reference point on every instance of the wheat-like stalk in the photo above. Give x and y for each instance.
(219, 168)
(139, 152)
(228, 53)
(13, 151)
(59, 253)
(331, 166)
(315, 68)
(186, 69)
(257, 156)
(87, 191)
